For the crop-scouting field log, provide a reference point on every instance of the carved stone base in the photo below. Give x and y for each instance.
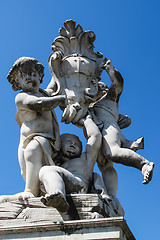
(104, 228)
(88, 218)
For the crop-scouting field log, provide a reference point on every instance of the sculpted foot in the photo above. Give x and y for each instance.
(17, 196)
(56, 200)
(4, 198)
(147, 171)
(138, 144)
(135, 145)
(25, 195)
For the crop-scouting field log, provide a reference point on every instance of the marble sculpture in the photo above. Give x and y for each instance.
(53, 165)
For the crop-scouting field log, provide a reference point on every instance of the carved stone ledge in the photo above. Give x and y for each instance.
(82, 206)
(87, 218)
(104, 228)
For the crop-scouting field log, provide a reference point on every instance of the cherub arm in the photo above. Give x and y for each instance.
(116, 87)
(94, 139)
(34, 103)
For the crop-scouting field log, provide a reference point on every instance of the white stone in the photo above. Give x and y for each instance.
(52, 167)
(111, 228)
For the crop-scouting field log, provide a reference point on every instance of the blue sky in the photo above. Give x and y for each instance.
(127, 32)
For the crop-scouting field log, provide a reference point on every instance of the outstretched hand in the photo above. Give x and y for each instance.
(73, 113)
(108, 66)
(56, 55)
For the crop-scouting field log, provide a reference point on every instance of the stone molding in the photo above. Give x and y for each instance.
(115, 226)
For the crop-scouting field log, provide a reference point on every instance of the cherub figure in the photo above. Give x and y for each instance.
(39, 137)
(75, 172)
(115, 147)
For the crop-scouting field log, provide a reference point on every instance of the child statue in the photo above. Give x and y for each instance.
(114, 145)
(39, 136)
(74, 175)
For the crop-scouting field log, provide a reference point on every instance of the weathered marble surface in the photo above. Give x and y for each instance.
(75, 69)
(112, 228)
(87, 218)
(82, 206)
(57, 163)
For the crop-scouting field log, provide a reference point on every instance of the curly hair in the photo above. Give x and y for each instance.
(19, 63)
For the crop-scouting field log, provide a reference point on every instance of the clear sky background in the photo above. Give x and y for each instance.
(127, 32)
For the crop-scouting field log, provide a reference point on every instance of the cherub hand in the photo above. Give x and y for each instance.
(73, 113)
(108, 66)
(56, 55)
(80, 114)
(68, 114)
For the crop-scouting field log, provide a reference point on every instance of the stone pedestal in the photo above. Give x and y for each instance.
(103, 228)
(87, 218)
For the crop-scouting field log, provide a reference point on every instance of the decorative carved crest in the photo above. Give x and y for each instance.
(75, 67)
(73, 40)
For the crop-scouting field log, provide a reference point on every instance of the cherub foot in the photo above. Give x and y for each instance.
(147, 171)
(56, 200)
(25, 195)
(17, 196)
(135, 145)
(138, 144)
(4, 198)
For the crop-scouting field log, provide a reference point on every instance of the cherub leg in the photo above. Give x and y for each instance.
(30, 163)
(22, 161)
(110, 180)
(125, 143)
(113, 151)
(134, 145)
(109, 174)
(55, 188)
(33, 155)
(57, 181)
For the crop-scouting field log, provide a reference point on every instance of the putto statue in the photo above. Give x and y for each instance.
(53, 165)
(39, 139)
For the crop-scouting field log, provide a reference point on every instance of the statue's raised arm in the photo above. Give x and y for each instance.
(115, 146)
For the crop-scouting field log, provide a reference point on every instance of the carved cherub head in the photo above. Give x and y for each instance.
(25, 66)
(71, 146)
